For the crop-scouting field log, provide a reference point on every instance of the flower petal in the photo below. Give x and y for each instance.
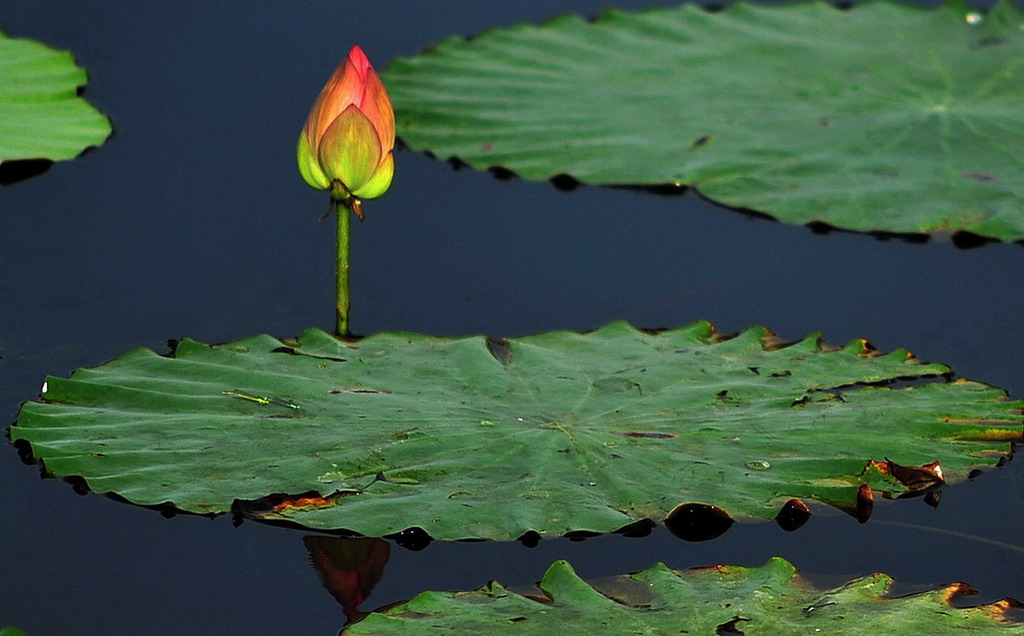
(308, 166)
(345, 87)
(380, 181)
(358, 60)
(377, 107)
(350, 150)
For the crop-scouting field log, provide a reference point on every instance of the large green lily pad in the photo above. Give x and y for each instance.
(770, 599)
(551, 433)
(41, 115)
(886, 117)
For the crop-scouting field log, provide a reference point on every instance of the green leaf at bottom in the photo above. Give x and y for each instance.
(770, 599)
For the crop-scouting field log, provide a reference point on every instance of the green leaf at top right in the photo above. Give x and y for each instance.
(884, 118)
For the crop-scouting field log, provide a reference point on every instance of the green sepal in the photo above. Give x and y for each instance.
(308, 166)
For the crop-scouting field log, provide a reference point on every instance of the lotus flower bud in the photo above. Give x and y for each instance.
(348, 141)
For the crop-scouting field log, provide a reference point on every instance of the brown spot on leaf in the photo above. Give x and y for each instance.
(954, 590)
(964, 420)
(700, 141)
(303, 503)
(981, 177)
(994, 435)
(915, 478)
(280, 504)
(771, 342)
(866, 348)
(645, 435)
(1007, 609)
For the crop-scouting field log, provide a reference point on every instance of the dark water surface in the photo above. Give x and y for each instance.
(192, 221)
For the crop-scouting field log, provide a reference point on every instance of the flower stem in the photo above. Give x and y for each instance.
(341, 318)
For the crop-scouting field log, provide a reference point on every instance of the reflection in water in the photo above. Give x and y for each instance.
(793, 515)
(348, 568)
(20, 169)
(414, 539)
(698, 522)
(865, 503)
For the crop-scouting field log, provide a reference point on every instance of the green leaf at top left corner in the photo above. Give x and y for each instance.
(41, 114)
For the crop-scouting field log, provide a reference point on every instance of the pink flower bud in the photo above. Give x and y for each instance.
(348, 141)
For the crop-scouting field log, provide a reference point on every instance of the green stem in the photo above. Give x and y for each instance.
(344, 221)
